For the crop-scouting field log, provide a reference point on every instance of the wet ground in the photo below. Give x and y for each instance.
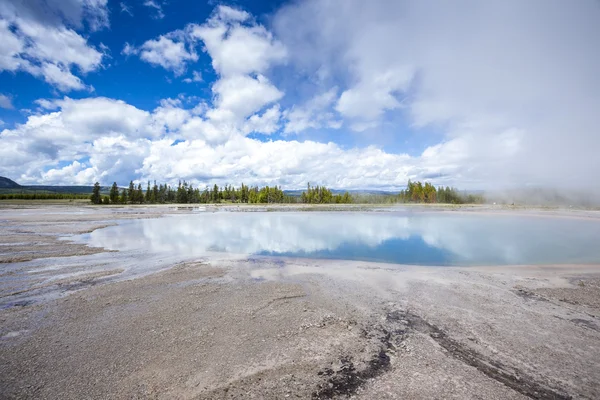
(86, 323)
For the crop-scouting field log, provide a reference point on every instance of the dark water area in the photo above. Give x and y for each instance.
(419, 238)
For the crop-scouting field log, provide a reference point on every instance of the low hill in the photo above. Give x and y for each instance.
(6, 183)
(9, 186)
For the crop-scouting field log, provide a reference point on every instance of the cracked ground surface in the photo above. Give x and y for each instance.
(224, 329)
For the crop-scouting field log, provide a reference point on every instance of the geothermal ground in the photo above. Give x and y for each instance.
(80, 322)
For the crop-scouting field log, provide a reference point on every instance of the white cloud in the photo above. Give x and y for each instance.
(129, 50)
(46, 104)
(510, 89)
(288, 163)
(196, 77)
(124, 143)
(61, 77)
(237, 48)
(374, 95)
(157, 7)
(100, 117)
(242, 52)
(6, 102)
(79, 122)
(229, 14)
(170, 115)
(76, 172)
(113, 134)
(240, 96)
(315, 113)
(38, 43)
(168, 51)
(118, 158)
(60, 46)
(267, 123)
(11, 47)
(74, 13)
(472, 70)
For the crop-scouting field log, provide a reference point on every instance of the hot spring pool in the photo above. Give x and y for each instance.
(420, 238)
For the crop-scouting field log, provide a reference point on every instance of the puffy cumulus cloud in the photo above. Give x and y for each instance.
(168, 51)
(515, 81)
(239, 96)
(75, 172)
(36, 40)
(111, 159)
(60, 46)
(242, 52)
(236, 45)
(93, 118)
(81, 141)
(313, 114)
(79, 129)
(170, 114)
(118, 158)
(288, 163)
(267, 122)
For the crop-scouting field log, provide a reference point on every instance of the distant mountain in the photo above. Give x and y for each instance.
(10, 186)
(6, 183)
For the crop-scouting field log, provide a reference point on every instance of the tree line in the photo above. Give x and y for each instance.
(417, 192)
(43, 196)
(184, 193)
(322, 195)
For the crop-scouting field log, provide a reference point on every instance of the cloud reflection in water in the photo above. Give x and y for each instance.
(415, 238)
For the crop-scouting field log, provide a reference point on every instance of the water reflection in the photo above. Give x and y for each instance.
(419, 238)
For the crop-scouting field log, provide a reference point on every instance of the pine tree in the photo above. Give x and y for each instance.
(148, 193)
(131, 193)
(114, 193)
(123, 197)
(139, 195)
(96, 199)
(215, 193)
(346, 198)
(154, 197)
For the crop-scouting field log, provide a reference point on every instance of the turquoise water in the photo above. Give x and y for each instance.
(420, 238)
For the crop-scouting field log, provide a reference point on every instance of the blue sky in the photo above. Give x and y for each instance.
(341, 93)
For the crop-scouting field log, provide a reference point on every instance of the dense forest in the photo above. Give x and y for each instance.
(185, 193)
